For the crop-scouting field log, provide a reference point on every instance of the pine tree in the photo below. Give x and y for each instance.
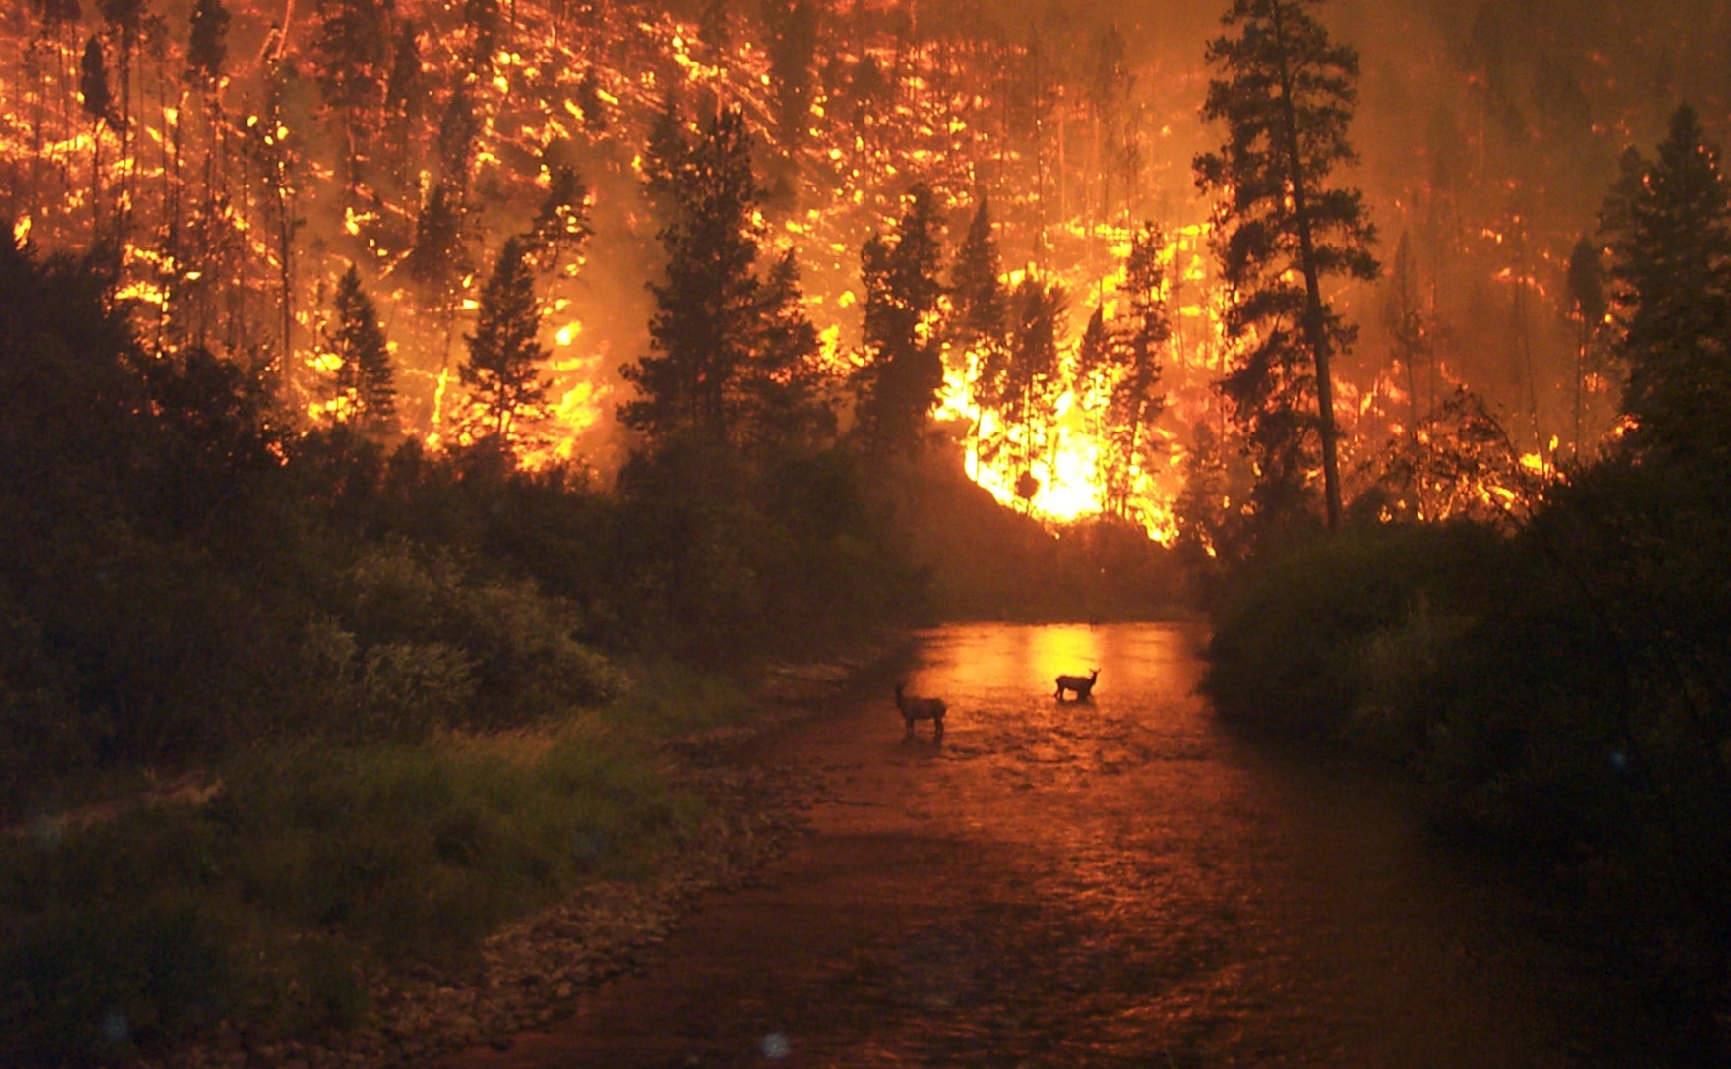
(505, 356)
(904, 370)
(787, 412)
(1670, 236)
(1287, 96)
(207, 41)
(364, 377)
(458, 129)
(561, 228)
(706, 321)
(1587, 307)
(1137, 400)
(98, 104)
(792, 26)
(977, 294)
(1029, 383)
(438, 258)
(405, 94)
(1409, 332)
(351, 47)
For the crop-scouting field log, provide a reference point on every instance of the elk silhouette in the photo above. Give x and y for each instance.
(913, 709)
(1083, 686)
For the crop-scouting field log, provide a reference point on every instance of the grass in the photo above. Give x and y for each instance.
(311, 867)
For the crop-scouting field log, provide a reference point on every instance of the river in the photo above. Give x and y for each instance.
(1102, 883)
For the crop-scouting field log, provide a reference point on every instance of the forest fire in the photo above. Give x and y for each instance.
(243, 159)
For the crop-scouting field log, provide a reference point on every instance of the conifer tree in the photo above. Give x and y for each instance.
(904, 370)
(503, 371)
(787, 410)
(1286, 95)
(792, 26)
(1587, 307)
(561, 227)
(977, 294)
(351, 47)
(98, 104)
(207, 41)
(1029, 382)
(1669, 221)
(1136, 399)
(1409, 332)
(364, 377)
(708, 303)
(405, 94)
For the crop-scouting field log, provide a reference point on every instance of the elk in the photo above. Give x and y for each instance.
(921, 709)
(1084, 687)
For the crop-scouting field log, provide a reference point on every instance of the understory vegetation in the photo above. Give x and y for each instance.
(281, 708)
(1562, 680)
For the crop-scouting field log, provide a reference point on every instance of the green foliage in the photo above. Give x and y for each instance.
(1286, 652)
(309, 868)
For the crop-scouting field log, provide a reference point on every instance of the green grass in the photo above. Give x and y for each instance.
(311, 867)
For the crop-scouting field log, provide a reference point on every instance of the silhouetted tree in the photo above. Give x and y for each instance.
(364, 377)
(708, 304)
(1670, 236)
(904, 370)
(792, 27)
(1136, 399)
(1286, 96)
(207, 41)
(353, 36)
(503, 371)
(405, 94)
(1587, 307)
(99, 106)
(561, 227)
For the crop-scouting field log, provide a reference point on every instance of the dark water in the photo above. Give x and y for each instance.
(1106, 883)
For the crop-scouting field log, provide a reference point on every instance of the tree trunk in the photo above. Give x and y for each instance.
(1315, 324)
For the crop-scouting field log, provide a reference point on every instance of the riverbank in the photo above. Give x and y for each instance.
(343, 908)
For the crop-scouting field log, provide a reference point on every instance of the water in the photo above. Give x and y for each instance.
(1107, 883)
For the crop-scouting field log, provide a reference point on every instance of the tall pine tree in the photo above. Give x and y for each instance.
(706, 321)
(1669, 221)
(363, 379)
(1286, 95)
(903, 372)
(503, 371)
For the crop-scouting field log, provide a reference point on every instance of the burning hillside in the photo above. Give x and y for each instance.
(237, 157)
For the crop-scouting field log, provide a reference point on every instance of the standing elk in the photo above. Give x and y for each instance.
(1084, 687)
(913, 709)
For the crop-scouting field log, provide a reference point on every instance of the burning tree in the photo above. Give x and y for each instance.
(1287, 97)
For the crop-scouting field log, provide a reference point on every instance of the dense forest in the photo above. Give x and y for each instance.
(376, 372)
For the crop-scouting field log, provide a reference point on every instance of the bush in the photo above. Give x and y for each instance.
(1297, 632)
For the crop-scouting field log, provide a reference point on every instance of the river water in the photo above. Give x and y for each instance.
(1113, 882)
